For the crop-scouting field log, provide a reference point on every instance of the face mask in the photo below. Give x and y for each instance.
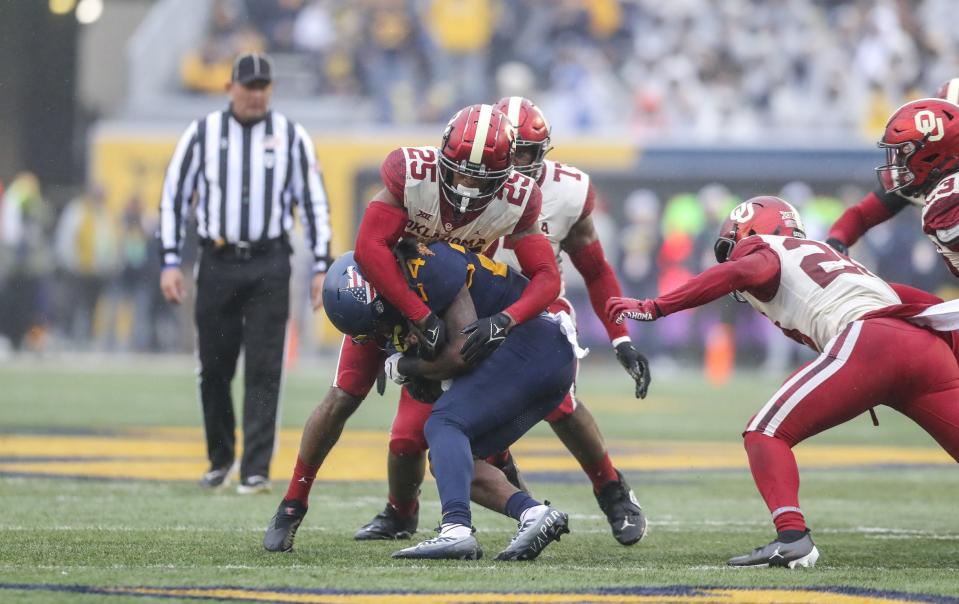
(466, 194)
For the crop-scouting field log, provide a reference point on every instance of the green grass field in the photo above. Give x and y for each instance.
(881, 526)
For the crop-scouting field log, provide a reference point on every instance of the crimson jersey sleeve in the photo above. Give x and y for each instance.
(531, 212)
(601, 284)
(590, 203)
(940, 220)
(381, 227)
(393, 173)
(752, 267)
(875, 208)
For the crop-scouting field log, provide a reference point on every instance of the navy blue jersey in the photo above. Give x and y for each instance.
(439, 274)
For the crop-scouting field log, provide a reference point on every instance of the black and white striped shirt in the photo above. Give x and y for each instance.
(246, 179)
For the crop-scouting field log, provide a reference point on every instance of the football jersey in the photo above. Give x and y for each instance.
(565, 190)
(429, 215)
(820, 290)
(940, 219)
(438, 273)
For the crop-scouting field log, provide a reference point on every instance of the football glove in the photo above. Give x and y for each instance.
(392, 369)
(432, 337)
(485, 336)
(424, 390)
(635, 365)
(381, 383)
(837, 245)
(620, 309)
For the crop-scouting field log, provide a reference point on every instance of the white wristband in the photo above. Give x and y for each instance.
(617, 341)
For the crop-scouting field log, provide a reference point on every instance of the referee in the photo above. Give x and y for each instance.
(248, 166)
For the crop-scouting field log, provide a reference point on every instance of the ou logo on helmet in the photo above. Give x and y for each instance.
(928, 124)
(744, 212)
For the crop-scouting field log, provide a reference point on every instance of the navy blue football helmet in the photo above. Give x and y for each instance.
(353, 304)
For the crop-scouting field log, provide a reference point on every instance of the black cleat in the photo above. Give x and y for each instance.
(543, 525)
(511, 470)
(625, 516)
(216, 478)
(797, 554)
(279, 535)
(388, 525)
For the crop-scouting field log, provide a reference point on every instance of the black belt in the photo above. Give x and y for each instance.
(243, 250)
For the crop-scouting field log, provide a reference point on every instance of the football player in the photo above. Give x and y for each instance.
(489, 404)
(465, 192)
(882, 204)
(922, 150)
(873, 350)
(568, 197)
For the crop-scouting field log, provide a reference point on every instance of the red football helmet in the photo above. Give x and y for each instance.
(922, 146)
(532, 133)
(764, 215)
(949, 91)
(478, 147)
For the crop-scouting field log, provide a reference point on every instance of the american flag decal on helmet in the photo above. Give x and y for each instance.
(358, 287)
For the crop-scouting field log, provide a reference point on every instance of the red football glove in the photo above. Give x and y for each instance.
(619, 309)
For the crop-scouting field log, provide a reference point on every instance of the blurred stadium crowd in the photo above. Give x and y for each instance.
(77, 275)
(729, 70)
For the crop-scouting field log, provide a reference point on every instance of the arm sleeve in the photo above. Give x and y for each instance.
(756, 270)
(309, 190)
(601, 283)
(393, 173)
(875, 208)
(537, 261)
(590, 203)
(381, 227)
(174, 201)
(940, 221)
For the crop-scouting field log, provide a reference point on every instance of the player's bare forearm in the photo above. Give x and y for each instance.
(450, 362)
(538, 262)
(585, 250)
(381, 228)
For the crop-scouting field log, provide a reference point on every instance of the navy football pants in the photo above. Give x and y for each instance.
(487, 410)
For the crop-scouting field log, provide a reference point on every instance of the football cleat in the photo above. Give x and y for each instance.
(797, 554)
(511, 470)
(388, 525)
(252, 485)
(623, 512)
(443, 548)
(543, 524)
(279, 535)
(217, 478)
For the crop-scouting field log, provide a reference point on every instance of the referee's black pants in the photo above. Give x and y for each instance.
(242, 303)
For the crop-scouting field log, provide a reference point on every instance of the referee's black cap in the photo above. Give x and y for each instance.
(253, 67)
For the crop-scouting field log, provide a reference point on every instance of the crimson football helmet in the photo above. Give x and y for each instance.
(478, 147)
(949, 91)
(922, 146)
(765, 215)
(532, 133)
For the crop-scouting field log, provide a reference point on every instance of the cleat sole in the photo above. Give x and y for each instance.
(807, 561)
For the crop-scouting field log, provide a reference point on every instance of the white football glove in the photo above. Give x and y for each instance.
(392, 369)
